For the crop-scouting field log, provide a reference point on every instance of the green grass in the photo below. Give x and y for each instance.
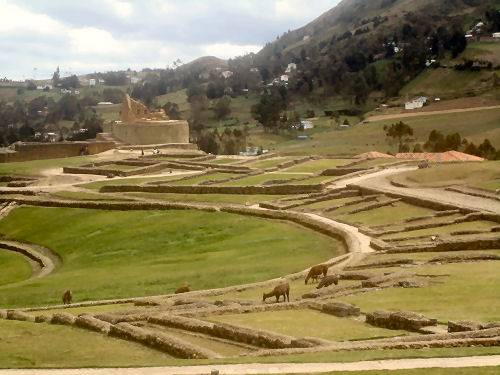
(118, 167)
(35, 167)
(316, 166)
(28, 345)
(84, 196)
(262, 178)
(207, 177)
(474, 125)
(443, 81)
(224, 161)
(445, 229)
(130, 181)
(14, 268)
(430, 371)
(269, 163)
(485, 175)
(107, 254)
(468, 293)
(208, 198)
(383, 215)
(307, 323)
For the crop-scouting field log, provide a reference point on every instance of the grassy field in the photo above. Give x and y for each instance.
(263, 178)
(78, 195)
(445, 229)
(381, 216)
(208, 198)
(475, 126)
(139, 253)
(14, 268)
(466, 292)
(485, 175)
(131, 181)
(316, 166)
(25, 345)
(431, 371)
(307, 323)
(35, 167)
(269, 163)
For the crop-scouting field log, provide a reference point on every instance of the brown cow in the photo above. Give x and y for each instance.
(327, 281)
(67, 297)
(316, 271)
(282, 289)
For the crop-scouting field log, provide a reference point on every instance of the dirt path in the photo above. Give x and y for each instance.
(280, 368)
(42, 261)
(431, 113)
(382, 184)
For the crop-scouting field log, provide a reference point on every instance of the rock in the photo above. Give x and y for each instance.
(89, 322)
(410, 284)
(340, 309)
(3, 314)
(19, 315)
(310, 295)
(463, 326)
(63, 318)
(42, 318)
(409, 321)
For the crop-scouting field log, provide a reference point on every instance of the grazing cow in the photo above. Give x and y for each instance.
(183, 289)
(327, 281)
(316, 271)
(282, 289)
(67, 297)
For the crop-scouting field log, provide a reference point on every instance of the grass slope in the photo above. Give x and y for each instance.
(14, 268)
(324, 140)
(26, 345)
(122, 254)
(468, 293)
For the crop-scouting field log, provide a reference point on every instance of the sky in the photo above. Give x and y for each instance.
(86, 36)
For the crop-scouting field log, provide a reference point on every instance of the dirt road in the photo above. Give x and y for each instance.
(280, 368)
(433, 113)
(382, 184)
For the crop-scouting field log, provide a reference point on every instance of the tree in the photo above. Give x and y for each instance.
(401, 133)
(56, 77)
(486, 150)
(222, 108)
(268, 110)
(172, 110)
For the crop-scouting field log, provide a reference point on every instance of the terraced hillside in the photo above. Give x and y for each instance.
(407, 275)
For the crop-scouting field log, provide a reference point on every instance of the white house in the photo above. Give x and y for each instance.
(134, 80)
(416, 103)
(306, 124)
(284, 78)
(92, 82)
(290, 68)
(496, 35)
(227, 74)
(469, 36)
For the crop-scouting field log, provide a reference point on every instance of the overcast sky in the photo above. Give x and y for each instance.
(97, 35)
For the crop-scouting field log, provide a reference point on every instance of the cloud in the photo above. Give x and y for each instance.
(94, 35)
(228, 50)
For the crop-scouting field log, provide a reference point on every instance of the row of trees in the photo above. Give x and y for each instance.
(402, 135)
(21, 121)
(229, 142)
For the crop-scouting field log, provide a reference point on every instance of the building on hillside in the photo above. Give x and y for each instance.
(306, 124)
(284, 78)
(416, 103)
(134, 80)
(227, 74)
(44, 87)
(139, 126)
(92, 82)
(290, 68)
(496, 35)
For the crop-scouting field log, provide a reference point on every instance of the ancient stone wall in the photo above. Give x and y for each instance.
(37, 151)
(154, 133)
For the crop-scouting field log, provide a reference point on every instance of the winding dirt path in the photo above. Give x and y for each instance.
(428, 113)
(381, 183)
(42, 261)
(281, 368)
